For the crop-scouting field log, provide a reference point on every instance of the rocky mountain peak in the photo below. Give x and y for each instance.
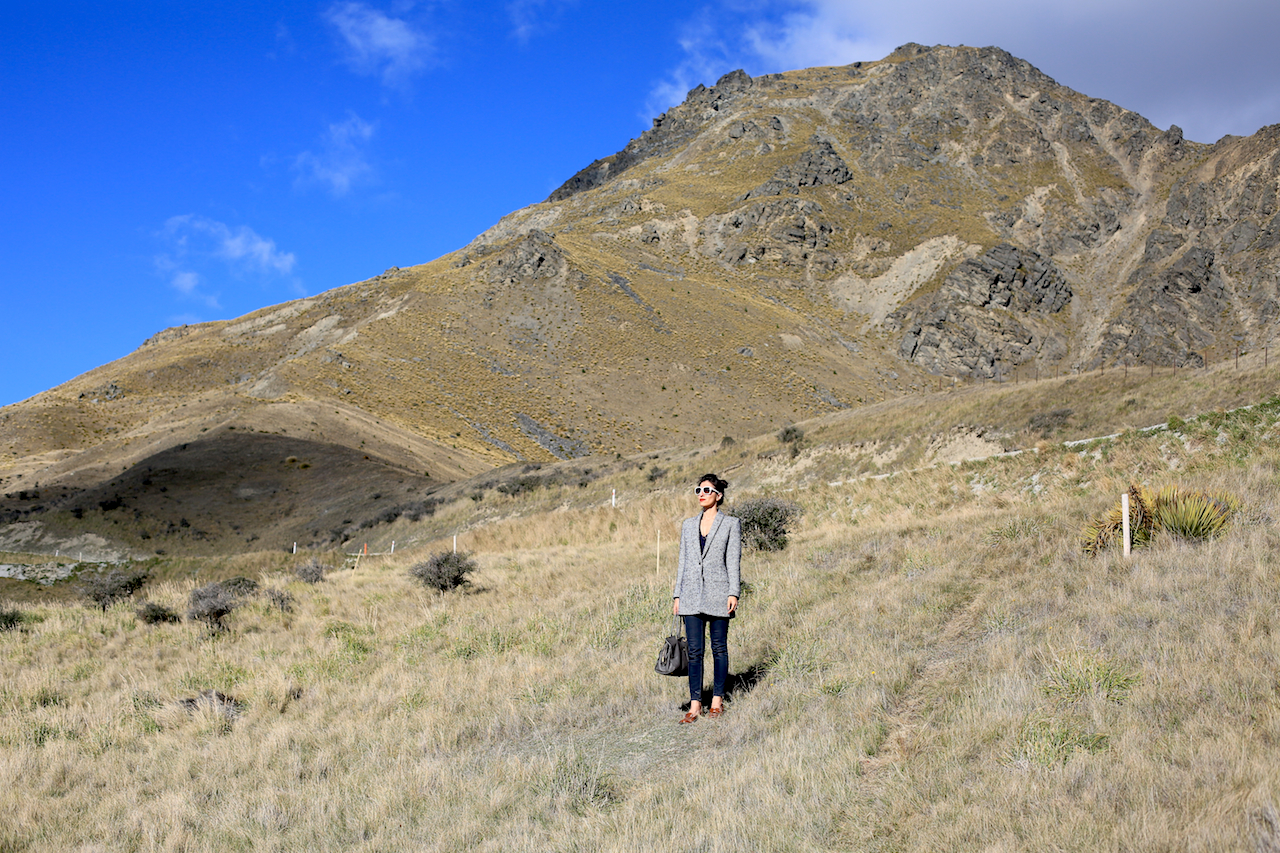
(774, 248)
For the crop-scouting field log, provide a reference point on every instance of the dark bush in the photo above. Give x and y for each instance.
(240, 586)
(444, 571)
(790, 434)
(656, 474)
(1046, 422)
(10, 618)
(727, 441)
(766, 522)
(414, 511)
(156, 614)
(312, 571)
(211, 603)
(520, 485)
(280, 599)
(106, 589)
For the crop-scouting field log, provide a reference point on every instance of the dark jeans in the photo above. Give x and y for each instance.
(695, 628)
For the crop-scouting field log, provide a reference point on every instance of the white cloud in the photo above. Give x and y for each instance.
(376, 43)
(196, 242)
(1210, 68)
(242, 248)
(534, 17)
(185, 282)
(340, 162)
(706, 56)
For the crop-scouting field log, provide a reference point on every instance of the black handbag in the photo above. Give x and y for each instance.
(673, 658)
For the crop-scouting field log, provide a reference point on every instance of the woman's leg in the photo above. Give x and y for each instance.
(719, 659)
(695, 630)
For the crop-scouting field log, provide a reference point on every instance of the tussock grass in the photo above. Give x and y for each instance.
(930, 664)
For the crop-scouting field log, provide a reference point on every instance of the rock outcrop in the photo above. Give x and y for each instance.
(988, 316)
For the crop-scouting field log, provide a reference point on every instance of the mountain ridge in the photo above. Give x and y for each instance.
(772, 249)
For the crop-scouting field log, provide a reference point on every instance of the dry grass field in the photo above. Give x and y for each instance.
(932, 664)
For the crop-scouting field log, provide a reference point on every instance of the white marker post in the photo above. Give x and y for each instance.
(455, 543)
(657, 557)
(1124, 511)
(614, 500)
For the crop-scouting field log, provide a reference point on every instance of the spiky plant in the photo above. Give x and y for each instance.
(1194, 515)
(1104, 530)
(1183, 512)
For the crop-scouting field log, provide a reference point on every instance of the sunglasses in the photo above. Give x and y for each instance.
(704, 490)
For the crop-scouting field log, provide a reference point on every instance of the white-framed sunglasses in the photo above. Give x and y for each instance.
(705, 490)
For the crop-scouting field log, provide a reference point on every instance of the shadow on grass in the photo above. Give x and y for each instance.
(738, 683)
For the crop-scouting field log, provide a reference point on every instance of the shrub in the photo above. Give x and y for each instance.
(766, 522)
(414, 511)
(156, 614)
(520, 485)
(10, 618)
(280, 599)
(444, 571)
(1182, 512)
(240, 586)
(210, 604)
(793, 436)
(312, 571)
(1046, 422)
(1193, 515)
(106, 589)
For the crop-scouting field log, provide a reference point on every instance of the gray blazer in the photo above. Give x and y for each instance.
(706, 578)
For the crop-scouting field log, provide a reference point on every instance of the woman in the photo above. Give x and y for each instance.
(707, 588)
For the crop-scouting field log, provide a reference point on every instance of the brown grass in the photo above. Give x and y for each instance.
(932, 664)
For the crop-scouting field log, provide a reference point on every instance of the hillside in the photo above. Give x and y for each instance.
(772, 250)
(931, 664)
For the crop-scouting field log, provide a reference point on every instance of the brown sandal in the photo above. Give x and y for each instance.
(690, 717)
(715, 712)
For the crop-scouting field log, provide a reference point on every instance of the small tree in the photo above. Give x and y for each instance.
(210, 603)
(766, 522)
(105, 590)
(444, 571)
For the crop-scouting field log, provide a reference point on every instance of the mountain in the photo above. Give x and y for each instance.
(772, 249)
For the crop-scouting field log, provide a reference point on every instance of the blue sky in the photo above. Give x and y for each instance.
(168, 163)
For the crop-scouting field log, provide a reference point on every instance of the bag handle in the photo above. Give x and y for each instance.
(679, 632)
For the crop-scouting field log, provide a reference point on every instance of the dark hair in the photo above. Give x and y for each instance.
(721, 486)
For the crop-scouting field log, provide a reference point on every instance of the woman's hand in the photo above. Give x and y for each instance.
(675, 607)
(733, 603)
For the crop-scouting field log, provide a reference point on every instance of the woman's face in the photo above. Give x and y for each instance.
(707, 495)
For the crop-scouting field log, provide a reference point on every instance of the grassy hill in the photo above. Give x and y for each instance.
(772, 250)
(932, 663)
